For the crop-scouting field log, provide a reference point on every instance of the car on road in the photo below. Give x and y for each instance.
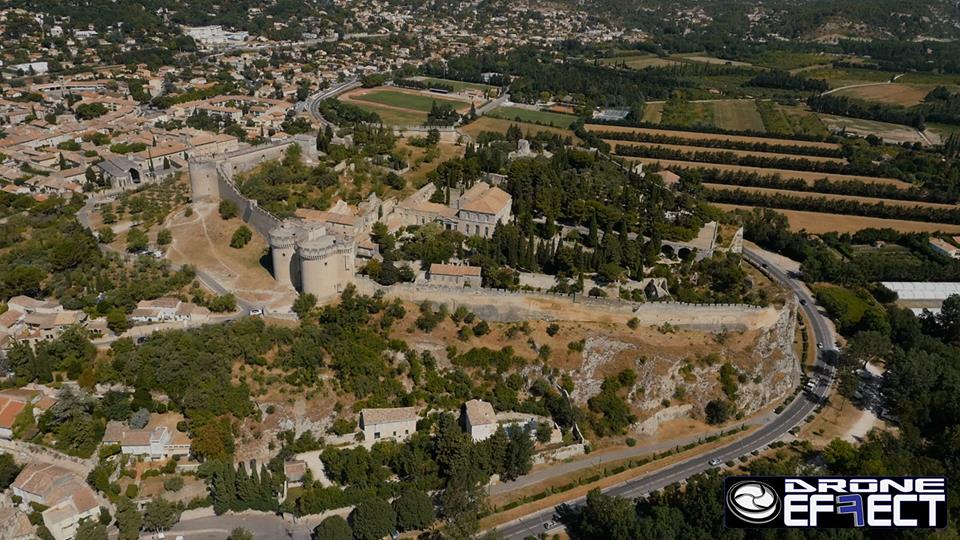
(819, 344)
(715, 462)
(256, 312)
(547, 525)
(803, 302)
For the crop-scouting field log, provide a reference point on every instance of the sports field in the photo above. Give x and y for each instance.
(406, 100)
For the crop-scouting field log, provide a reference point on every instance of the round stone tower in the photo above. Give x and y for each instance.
(326, 265)
(283, 252)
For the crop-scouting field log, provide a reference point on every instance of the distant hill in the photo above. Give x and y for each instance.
(820, 20)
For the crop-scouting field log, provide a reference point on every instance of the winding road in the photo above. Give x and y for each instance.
(793, 415)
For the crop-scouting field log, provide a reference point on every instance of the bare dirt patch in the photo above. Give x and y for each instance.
(203, 240)
(894, 94)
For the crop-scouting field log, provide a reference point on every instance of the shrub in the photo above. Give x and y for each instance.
(241, 237)
(174, 483)
(227, 209)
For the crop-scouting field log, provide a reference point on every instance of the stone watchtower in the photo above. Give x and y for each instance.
(203, 180)
(284, 255)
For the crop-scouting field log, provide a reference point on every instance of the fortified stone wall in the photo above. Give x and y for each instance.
(514, 306)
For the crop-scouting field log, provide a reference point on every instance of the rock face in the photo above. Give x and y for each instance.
(676, 380)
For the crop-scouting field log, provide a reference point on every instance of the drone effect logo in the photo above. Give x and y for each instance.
(754, 502)
(835, 502)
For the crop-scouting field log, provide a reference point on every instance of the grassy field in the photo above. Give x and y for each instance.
(639, 61)
(737, 115)
(679, 111)
(694, 136)
(893, 94)
(653, 112)
(818, 222)
(460, 86)
(837, 77)
(405, 100)
(393, 116)
(499, 125)
(534, 117)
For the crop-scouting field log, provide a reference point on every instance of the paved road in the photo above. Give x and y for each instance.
(313, 102)
(792, 415)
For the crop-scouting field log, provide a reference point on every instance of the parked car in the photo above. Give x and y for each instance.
(256, 312)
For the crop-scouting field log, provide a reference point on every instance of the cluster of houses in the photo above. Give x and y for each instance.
(477, 418)
(66, 497)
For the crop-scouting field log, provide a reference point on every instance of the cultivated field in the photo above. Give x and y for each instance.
(737, 115)
(818, 222)
(534, 117)
(692, 147)
(499, 125)
(809, 176)
(831, 196)
(694, 136)
(640, 61)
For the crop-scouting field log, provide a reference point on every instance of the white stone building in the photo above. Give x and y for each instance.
(397, 423)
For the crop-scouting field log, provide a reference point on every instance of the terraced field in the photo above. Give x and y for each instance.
(692, 147)
(808, 176)
(696, 135)
(831, 196)
(750, 176)
(818, 222)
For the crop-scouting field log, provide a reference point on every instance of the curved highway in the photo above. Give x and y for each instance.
(793, 415)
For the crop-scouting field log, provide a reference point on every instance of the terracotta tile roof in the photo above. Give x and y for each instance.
(480, 412)
(487, 201)
(389, 415)
(9, 409)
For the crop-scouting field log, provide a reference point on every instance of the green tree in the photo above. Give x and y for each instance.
(129, 519)
(8, 470)
(241, 237)
(606, 517)
(240, 533)
(227, 209)
(136, 240)
(372, 519)
(304, 304)
(718, 411)
(91, 530)
(332, 528)
(164, 237)
(414, 510)
(160, 514)
(105, 235)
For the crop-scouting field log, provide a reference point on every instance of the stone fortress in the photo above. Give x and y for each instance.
(316, 252)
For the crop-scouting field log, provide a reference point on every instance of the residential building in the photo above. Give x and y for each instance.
(396, 423)
(68, 498)
(479, 419)
(451, 275)
(944, 248)
(154, 442)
